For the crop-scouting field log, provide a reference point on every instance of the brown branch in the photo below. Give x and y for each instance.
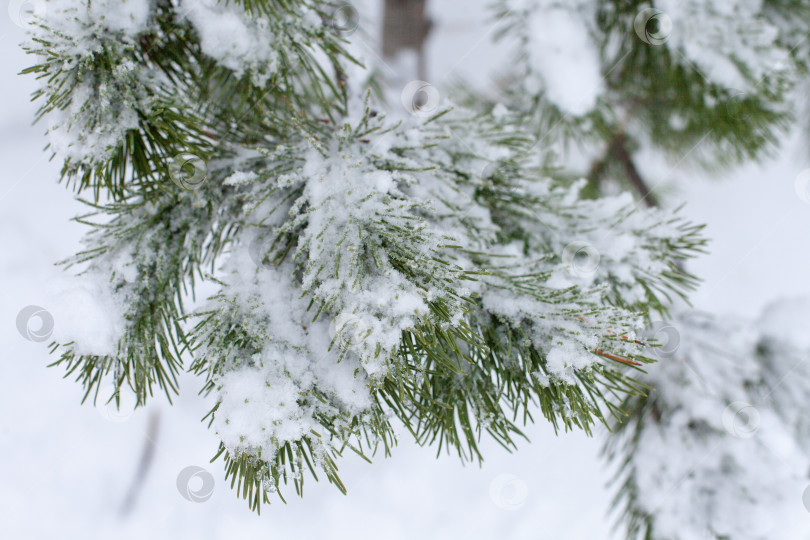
(618, 151)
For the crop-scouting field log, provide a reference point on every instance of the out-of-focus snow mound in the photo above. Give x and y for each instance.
(724, 446)
(787, 322)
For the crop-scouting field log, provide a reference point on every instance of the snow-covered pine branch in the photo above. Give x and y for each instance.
(431, 270)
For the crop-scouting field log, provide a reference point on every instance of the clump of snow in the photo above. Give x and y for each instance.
(88, 315)
(128, 16)
(347, 203)
(240, 177)
(235, 38)
(248, 42)
(76, 17)
(563, 55)
(275, 394)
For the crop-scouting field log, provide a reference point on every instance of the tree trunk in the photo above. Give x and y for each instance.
(406, 26)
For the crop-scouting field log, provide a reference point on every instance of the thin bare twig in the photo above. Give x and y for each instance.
(147, 455)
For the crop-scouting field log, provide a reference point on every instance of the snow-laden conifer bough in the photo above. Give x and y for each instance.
(371, 267)
(717, 447)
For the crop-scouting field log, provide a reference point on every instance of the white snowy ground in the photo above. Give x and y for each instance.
(66, 469)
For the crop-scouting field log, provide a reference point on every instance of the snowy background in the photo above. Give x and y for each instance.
(66, 468)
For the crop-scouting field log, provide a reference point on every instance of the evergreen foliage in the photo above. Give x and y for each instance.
(368, 267)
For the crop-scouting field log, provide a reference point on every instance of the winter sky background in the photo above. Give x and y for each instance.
(66, 468)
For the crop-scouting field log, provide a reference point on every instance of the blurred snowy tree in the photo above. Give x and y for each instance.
(700, 82)
(719, 448)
